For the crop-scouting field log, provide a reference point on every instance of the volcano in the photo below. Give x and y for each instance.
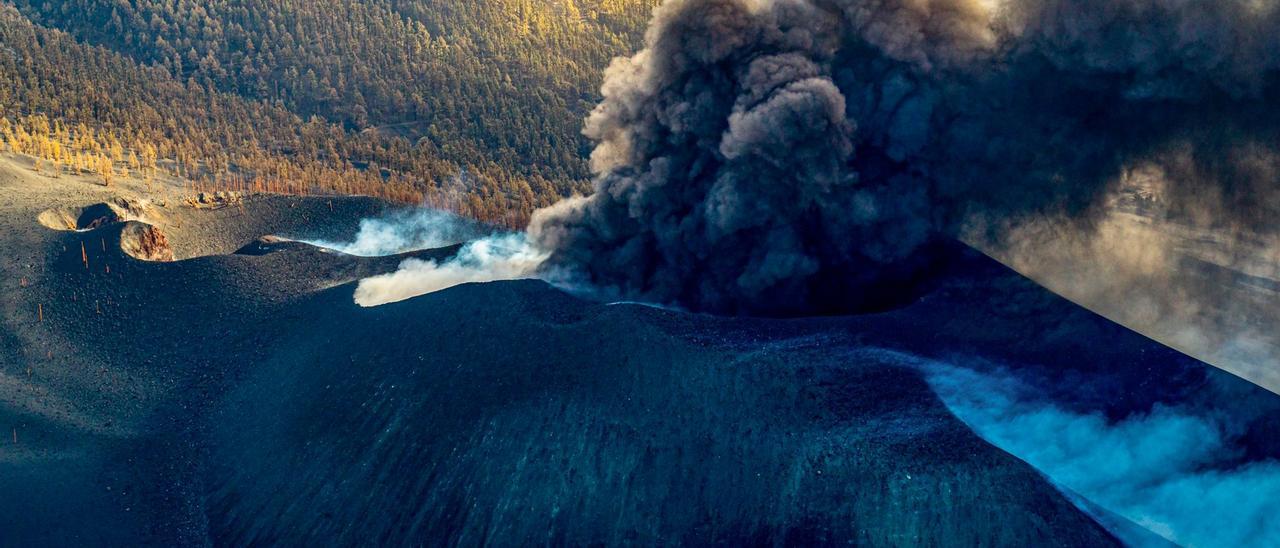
(244, 398)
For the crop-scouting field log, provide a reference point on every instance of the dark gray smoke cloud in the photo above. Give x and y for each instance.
(802, 156)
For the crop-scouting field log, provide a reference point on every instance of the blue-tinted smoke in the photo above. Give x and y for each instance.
(1169, 470)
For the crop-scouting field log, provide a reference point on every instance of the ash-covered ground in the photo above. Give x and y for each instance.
(239, 395)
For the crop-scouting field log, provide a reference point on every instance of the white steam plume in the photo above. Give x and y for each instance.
(501, 257)
(402, 232)
(484, 257)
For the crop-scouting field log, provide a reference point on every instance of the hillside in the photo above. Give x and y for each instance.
(476, 107)
(841, 272)
(161, 403)
(196, 401)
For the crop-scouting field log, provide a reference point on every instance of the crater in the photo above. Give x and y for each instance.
(117, 210)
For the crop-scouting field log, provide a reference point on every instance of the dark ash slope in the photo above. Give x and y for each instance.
(237, 399)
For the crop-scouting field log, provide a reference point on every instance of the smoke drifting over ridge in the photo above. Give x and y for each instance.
(484, 256)
(801, 156)
(492, 258)
(1173, 470)
(403, 231)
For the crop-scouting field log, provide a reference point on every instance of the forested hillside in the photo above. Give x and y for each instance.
(383, 96)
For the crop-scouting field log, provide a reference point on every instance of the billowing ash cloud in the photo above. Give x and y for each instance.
(801, 156)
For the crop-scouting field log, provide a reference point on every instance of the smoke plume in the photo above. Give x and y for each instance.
(801, 156)
(484, 257)
(1210, 292)
(403, 231)
(493, 258)
(1173, 471)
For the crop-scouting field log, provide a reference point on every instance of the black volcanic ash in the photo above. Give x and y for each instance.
(801, 156)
